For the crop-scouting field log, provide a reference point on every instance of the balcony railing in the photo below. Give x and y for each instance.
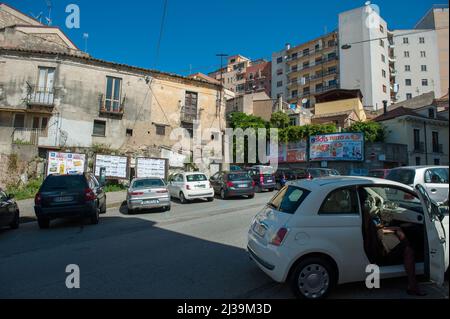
(316, 91)
(188, 116)
(27, 136)
(40, 96)
(111, 107)
(419, 147)
(314, 77)
(309, 53)
(439, 149)
(316, 63)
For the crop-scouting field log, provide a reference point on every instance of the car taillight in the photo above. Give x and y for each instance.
(261, 178)
(188, 187)
(253, 184)
(89, 195)
(309, 176)
(136, 193)
(230, 184)
(277, 240)
(37, 199)
(164, 191)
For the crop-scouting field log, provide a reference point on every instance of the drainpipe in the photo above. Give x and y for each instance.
(426, 144)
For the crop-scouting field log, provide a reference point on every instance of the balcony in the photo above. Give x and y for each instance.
(438, 149)
(188, 117)
(111, 108)
(310, 53)
(39, 96)
(419, 147)
(27, 136)
(311, 65)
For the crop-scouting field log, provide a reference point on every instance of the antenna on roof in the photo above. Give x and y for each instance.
(86, 38)
(37, 17)
(49, 16)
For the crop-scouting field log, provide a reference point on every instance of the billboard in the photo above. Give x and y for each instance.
(337, 147)
(65, 163)
(296, 152)
(152, 167)
(116, 166)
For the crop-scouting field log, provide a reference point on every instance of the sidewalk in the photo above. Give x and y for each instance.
(26, 206)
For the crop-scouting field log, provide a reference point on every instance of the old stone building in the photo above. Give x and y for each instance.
(56, 97)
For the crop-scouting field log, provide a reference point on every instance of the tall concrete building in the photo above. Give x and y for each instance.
(416, 66)
(364, 61)
(437, 18)
(302, 71)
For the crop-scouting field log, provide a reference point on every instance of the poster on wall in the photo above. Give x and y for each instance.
(116, 166)
(151, 167)
(65, 163)
(175, 159)
(296, 152)
(337, 147)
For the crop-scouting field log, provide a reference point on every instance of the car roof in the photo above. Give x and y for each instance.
(342, 181)
(193, 173)
(419, 167)
(144, 178)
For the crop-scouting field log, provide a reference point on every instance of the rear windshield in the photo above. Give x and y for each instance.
(315, 172)
(237, 177)
(288, 199)
(196, 178)
(376, 173)
(152, 182)
(405, 176)
(66, 182)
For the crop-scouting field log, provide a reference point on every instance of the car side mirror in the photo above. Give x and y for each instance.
(11, 196)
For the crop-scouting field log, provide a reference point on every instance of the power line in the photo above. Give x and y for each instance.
(394, 36)
(163, 20)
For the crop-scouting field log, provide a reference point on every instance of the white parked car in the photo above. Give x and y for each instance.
(315, 234)
(188, 186)
(433, 178)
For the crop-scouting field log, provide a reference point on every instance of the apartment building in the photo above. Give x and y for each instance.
(244, 76)
(437, 19)
(279, 76)
(365, 61)
(312, 68)
(416, 66)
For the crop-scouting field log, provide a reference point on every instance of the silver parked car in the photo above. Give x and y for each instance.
(433, 178)
(146, 193)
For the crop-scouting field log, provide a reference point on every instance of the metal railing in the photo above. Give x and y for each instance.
(419, 147)
(311, 65)
(439, 148)
(27, 136)
(108, 106)
(188, 116)
(40, 96)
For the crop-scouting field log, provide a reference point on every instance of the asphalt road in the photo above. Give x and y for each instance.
(195, 251)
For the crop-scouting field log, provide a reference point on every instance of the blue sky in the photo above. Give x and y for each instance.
(195, 30)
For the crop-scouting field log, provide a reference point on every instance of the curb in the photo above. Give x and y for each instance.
(31, 219)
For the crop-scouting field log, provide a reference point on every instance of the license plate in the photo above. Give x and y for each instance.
(63, 199)
(269, 181)
(152, 201)
(201, 186)
(243, 185)
(259, 229)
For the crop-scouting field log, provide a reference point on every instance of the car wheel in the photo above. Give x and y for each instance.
(15, 223)
(167, 208)
(223, 195)
(103, 211)
(278, 187)
(43, 223)
(271, 189)
(258, 189)
(182, 198)
(313, 278)
(251, 196)
(210, 199)
(95, 218)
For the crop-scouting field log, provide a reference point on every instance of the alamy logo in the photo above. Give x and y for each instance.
(73, 279)
(373, 16)
(373, 277)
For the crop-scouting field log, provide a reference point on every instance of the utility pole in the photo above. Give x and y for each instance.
(221, 55)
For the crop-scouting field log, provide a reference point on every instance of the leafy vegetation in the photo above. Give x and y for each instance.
(280, 120)
(25, 191)
(373, 131)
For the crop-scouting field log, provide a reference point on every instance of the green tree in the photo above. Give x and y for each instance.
(244, 121)
(373, 131)
(280, 120)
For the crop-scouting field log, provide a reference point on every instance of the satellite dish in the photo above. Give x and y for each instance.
(367, 3)
(304, 101)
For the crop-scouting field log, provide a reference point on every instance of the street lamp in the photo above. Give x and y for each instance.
(346, 47)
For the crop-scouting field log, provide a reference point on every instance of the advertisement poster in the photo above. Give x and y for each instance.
(175, 159)
(296, 152)
(65, 163)
(116, 166)
(151, 167)
(337, 147)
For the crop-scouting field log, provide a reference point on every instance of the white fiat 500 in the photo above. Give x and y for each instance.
(317, 233)
(190, 185)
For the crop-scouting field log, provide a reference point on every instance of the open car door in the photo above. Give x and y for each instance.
(435, 238)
